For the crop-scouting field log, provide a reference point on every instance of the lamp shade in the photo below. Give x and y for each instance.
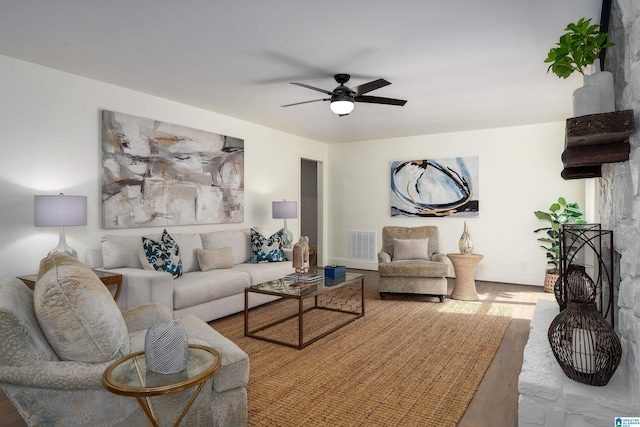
(60, 210)
(341, 107)
(284, 210)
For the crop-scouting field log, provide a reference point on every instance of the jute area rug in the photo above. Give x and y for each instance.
(410, 361)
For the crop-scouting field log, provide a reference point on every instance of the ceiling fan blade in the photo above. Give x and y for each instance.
(368, 87)
(306, 102)
(312, 88)
(380, 100)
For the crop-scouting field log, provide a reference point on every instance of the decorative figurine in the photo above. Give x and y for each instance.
(301, 255)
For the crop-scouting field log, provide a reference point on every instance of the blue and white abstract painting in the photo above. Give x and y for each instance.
(435, 188)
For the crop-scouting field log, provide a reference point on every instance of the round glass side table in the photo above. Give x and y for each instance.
(129, 376)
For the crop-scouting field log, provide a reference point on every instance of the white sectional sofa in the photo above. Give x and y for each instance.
(208, 294)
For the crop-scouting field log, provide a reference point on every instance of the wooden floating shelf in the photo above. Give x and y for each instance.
(594, 140)
(596, 155)
(599, 128)
(581, 172)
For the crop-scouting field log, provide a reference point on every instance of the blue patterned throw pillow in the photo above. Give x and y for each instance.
(266, 249)
(163, 255)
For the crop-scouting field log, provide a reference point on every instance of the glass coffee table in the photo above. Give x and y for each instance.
(289, 288)
(129, 376)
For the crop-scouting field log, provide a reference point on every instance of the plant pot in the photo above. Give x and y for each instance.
(586, 99)
(595, 96)
(603, 80)
(550, 280)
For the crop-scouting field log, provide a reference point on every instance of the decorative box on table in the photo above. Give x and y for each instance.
(335, 271)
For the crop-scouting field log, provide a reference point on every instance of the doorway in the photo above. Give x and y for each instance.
(311, 206)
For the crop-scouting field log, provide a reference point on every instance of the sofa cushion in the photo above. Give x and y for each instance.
(413, 268)
(203, 286)
(77, 313)
(266, 271)
(267, 249)
(410, 248)
(188, 244)
(163, 255)
(213, 259)
(121, 251)
(238, 240)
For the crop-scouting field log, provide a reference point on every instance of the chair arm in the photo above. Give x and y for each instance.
(56, 375)
(383, 257)
(145, 316)
(439, 257)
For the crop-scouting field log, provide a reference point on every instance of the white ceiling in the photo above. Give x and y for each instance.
(462, 65)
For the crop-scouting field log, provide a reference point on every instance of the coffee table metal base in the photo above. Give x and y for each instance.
(253, 333)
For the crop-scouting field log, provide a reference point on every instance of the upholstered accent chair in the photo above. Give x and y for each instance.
(409, 262)
(57, 340)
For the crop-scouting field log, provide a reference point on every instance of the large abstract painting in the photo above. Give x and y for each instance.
(161, 174)
(435, 188)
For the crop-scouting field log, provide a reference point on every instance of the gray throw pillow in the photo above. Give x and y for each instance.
(404, 249)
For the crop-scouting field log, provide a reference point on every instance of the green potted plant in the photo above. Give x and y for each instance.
(578, 48)
(559, 213)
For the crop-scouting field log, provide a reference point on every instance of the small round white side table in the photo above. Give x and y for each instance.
(465, 267)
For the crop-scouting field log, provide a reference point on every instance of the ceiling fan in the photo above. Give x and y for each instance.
(343, 98)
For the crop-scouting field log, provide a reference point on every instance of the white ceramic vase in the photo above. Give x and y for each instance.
(595, 96)
(603, 80)
(586, 99)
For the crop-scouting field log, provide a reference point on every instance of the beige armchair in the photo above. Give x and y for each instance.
(56, 342)
(409, 262)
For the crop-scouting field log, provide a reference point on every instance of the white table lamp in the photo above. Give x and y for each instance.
(285, 210)
(60, 211)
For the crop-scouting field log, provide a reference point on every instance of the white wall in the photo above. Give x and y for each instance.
(50, 136)
(519, 173)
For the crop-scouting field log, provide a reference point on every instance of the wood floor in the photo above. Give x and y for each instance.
(495, 403)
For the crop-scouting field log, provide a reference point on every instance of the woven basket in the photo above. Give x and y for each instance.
(550, 280)
(166, 347)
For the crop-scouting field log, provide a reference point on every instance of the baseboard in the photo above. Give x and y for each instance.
(350, 263)
(517, 277)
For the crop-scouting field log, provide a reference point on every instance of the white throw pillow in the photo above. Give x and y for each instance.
(404, 249)
(121, 251)
(238, 240)
(188, 244)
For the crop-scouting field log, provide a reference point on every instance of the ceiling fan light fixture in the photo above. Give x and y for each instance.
(342, 106)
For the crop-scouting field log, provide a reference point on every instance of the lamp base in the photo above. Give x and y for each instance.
(63, 247)
(287, 236)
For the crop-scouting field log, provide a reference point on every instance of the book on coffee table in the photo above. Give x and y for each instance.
(305, 277)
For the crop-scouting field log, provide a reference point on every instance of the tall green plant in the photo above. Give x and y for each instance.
(560, 213)
(578, 48)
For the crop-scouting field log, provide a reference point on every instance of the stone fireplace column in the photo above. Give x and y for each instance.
(620, 185)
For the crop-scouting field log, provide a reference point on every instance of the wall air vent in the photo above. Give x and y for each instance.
(363, 245)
